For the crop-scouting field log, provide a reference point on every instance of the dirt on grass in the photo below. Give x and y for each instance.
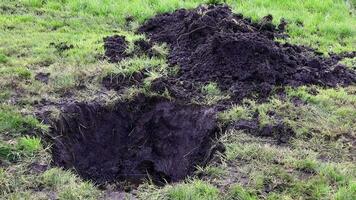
(211, 44)
(161, 140)
(281, 132)
(120, 82)
(144, 139)
(115, 48)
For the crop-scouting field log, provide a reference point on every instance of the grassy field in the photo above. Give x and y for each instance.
(65, 39)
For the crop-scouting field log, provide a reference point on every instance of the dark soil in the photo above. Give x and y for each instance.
(143, 47)
(43, 77)
(120, 82)
(279, 131)
(115, 48)
(211, 44)
(133, 141)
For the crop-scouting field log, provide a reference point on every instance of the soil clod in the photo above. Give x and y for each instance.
(279, 131)
(43, 77)
(115, 48)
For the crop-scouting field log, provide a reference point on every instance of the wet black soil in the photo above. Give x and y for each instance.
(211, 44)
(146, 138)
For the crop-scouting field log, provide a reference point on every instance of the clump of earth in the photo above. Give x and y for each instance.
(115, 48)
(212, 44)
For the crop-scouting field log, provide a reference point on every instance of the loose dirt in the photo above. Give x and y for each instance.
(43, 77)
(115, 48)
(281, 132)
(211, 44)
(146, 138)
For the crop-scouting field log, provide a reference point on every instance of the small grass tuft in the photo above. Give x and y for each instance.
(3, 58)
(194, 190)
(237, 112)
(29, 145)
(69, 186)
(238, 192)
(212, 94)
(215, 2)
(13, 123)
(349, 62)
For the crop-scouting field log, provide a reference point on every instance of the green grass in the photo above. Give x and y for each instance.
(324, 25)
(29, 27)
(68, 186)
(211, 94)
(13, 123)
(349, 62)
(29, 145)
(192, 190)
(238, 192)
(316, 164)
(21, 183)
(25, 147)
(289, 172)
(327, 24)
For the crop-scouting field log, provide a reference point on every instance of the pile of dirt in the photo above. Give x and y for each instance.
(211, 44)
(145, 138)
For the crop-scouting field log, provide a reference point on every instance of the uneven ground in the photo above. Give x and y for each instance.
(295, 144)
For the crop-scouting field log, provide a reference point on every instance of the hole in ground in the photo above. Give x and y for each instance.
(162, 140)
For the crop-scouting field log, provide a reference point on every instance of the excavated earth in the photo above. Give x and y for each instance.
(165, 140)
(137, 140)
(211, 44)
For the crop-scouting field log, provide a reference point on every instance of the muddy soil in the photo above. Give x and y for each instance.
(146, 138)
(211, 44)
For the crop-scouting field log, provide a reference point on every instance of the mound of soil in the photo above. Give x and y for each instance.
(133, 141)
(211, 44)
